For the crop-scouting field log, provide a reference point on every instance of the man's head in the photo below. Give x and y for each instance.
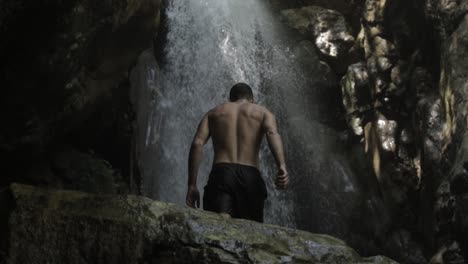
(241, 91)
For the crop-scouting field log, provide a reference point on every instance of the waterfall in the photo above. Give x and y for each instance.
(213, 44)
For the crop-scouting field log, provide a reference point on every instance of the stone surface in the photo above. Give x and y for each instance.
(413, 58)
(65, 76)
(348, 8)
(447, 140)
(328, 28)
(453, 85)
(446, 14)
(47, 226)
(356, 95)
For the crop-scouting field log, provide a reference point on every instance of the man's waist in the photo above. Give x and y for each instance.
(246, 159)
(235, 164)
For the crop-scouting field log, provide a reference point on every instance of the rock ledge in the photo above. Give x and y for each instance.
(46, 226)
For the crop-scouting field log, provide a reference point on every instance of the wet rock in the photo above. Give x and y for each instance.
(372, 65)
(454, 85)
(73, 227)
(446, 14)
(374, 11)
(383, 47)
(435, 138)
(447, 218)
(459, 184)
(383, 64)
(421, 82)
(348, 8)
(145, 92)
(398, 73)
(445, 212)
(403, 63)
(327, 27)
(380, 142)
(356, 95)
(449, 255)
(72, 169)
(402, 245)
(461, 226)
(408, 163)
(83, 172)
(386, 133)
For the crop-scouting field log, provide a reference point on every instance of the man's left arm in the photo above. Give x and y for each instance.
(195, 156)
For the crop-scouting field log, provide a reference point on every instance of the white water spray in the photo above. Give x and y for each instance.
(211, 45)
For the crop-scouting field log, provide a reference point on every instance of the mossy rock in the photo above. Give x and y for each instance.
(46, 226)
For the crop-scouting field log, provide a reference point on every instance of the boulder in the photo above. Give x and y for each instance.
(46, 226)
(328, 29)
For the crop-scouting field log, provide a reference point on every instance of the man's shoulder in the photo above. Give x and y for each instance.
(258, 112)
(217, 108)
(224, 107)
(262, 109)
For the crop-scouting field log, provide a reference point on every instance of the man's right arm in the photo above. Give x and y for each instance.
(275, 143)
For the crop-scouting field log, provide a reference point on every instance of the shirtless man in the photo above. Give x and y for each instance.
(235, 186)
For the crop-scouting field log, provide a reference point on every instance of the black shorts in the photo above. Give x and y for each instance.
(237, 190)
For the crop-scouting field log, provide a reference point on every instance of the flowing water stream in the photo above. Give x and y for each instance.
(211, 45)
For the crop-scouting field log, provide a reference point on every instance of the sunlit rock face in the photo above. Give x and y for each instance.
(407, 102)
(45, 226)
(453, 86)
(356, 95)
(350, 9)
(328, 28)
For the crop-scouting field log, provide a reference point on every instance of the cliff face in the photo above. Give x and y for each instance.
(405, 99)
(64, 76)
(74, 227)
(415, 117)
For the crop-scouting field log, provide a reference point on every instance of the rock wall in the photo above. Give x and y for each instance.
(47, 226)
(407, 100)
(64, 74)
(404, 91)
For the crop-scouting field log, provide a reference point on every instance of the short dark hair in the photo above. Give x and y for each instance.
(240, 91)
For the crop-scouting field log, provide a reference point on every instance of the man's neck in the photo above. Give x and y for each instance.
(241, 101)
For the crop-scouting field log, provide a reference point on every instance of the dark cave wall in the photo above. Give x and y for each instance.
(65, 110)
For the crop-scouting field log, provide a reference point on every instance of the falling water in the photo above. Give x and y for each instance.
(211, 45)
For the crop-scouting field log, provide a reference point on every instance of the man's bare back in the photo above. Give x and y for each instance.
(237, 129)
